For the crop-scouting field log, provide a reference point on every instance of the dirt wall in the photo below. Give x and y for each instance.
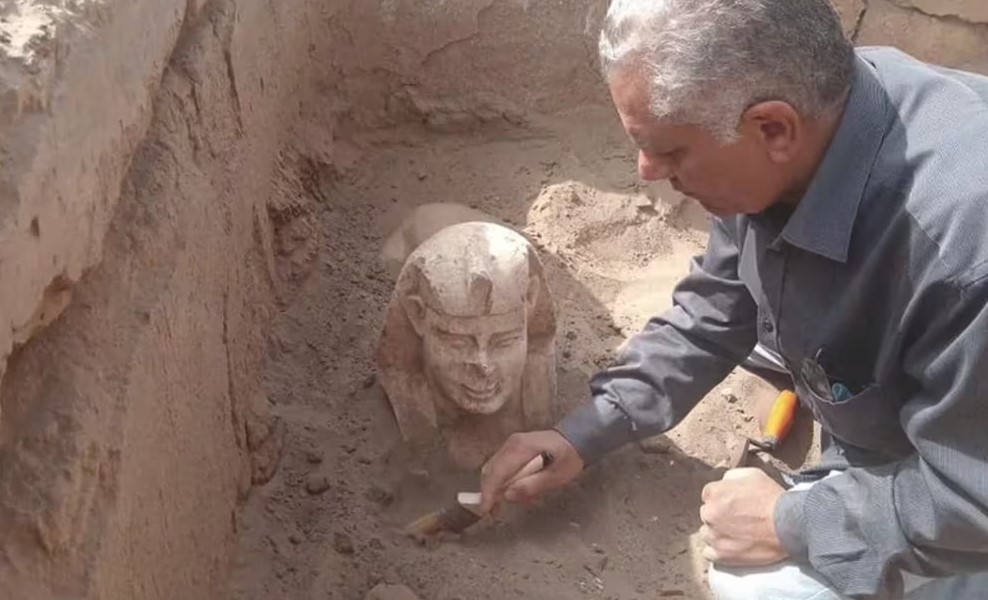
(155, 155)
(134, 423)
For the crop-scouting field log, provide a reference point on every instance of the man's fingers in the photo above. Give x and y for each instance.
(740, 473)
(531, 487)
(512, 456)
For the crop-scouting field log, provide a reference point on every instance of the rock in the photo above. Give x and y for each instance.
(384, 591)
(972, 11)
(313, 457)
(379, 495)
(655, 445)
(729, 395)
(944, 41)
(342, 543)
(642, 201)
(317, 483)
(850, 11)
(596, 567)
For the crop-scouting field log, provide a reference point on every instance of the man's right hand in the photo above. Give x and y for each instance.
(516, 452)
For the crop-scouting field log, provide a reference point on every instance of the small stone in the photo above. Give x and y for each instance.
(369, 381)
(671, 594)
(419, 475)
(379, 495)
(597, 549)
(655, 445)
(313, 457)
(295, 539)
(342, 543)
(384, 591)
(729, 395)
(376, 544)
(317, 483)
(567, 354)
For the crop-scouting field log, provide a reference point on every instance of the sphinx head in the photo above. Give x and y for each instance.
(469, 292)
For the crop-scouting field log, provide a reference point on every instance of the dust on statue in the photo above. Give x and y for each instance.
(467, 353)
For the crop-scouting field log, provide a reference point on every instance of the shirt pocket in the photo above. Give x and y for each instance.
(868, 419)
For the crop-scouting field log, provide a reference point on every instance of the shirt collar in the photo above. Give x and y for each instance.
(823, 220)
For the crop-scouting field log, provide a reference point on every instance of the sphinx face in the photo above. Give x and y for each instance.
(476, 362)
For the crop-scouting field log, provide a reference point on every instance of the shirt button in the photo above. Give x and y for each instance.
(767, 326)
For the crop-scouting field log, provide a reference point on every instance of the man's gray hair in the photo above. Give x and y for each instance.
(707, 61)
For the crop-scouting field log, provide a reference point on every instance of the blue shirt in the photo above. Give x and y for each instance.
(879, 277)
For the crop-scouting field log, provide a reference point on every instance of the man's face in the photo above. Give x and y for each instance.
(478, 362)
(726, 179)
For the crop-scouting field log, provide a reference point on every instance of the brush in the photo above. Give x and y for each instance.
(466, 511)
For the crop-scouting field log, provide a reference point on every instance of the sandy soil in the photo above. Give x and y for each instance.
(325, 527)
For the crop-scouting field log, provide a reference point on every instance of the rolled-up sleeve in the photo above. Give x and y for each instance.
(677, 358)
(926, 514)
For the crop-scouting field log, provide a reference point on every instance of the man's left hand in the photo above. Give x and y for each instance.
(738, 516)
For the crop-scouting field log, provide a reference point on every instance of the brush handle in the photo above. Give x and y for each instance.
(543, 460)
(472, 500)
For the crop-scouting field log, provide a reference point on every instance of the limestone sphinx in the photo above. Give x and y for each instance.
(467, 353)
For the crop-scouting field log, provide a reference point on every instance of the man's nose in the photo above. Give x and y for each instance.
(653, 168)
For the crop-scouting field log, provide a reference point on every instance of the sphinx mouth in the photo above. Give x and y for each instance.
(482, 392)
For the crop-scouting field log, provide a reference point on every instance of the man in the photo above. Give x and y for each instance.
(850, 198)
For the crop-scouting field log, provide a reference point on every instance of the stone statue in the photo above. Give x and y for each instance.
(467, 354)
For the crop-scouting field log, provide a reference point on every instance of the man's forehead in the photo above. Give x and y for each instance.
(480, 325)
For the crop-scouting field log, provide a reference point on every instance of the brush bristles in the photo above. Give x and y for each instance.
(453, 519)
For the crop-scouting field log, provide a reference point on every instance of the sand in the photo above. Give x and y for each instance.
(325, 527)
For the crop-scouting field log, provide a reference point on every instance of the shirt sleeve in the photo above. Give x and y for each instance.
(927, 514)
(663, 371)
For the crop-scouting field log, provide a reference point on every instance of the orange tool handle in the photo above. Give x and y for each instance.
(780, 419)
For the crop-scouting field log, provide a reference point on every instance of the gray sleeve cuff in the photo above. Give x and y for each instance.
(790, 525)
(597, 428)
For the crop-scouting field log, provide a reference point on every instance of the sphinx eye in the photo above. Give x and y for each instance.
(457, 342)
(506, 340)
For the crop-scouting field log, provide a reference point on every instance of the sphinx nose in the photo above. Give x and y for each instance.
(483, 368)
(481, 364)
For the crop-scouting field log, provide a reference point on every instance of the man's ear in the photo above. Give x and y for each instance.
(777, 126)
(415, 310)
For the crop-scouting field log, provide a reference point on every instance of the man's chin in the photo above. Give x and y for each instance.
(718, 211)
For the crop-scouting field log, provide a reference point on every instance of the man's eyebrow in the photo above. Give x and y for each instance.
(646, 144)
